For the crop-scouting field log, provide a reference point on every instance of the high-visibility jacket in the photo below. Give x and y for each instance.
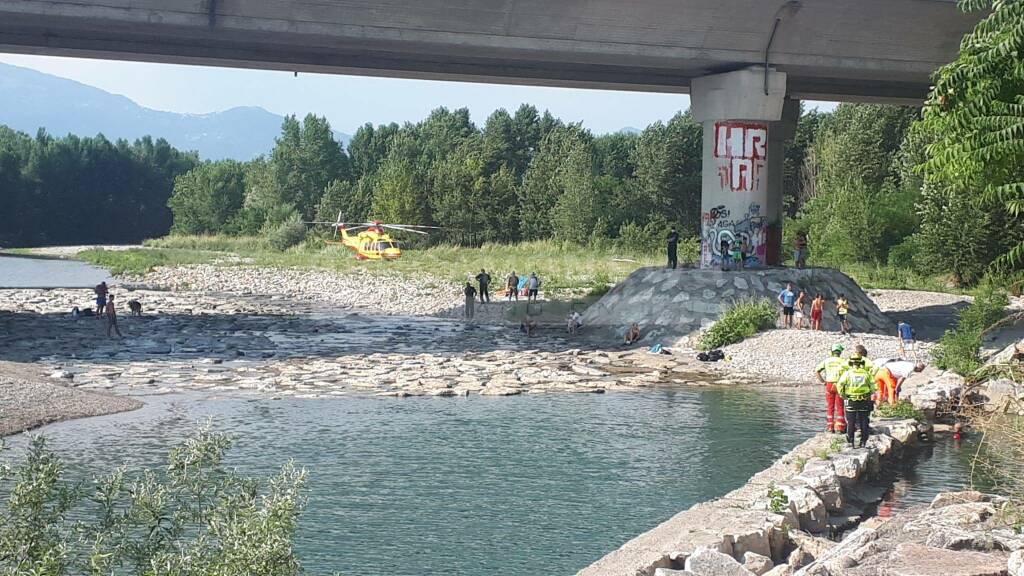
(833, 367)
(857, 383)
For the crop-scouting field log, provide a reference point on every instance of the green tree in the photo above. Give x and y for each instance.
(207, 196)
(194, 517)
(976, 114)
(557, 166)
(668, 175)
(306, 159)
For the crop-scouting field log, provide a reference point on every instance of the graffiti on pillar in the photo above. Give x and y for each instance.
(734, 211)
(717, 226)
(740, 148)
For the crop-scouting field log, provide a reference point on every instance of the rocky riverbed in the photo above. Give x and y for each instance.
(277, 345)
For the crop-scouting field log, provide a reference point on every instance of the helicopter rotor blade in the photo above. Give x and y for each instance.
(403, 229)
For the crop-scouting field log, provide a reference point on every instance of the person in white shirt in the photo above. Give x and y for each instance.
(890, 374)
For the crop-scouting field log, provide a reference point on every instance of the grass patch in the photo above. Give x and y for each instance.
(560, 266)
(958, 349)
(902, 409)
(870, 276)
(142, 260)
(742, 320)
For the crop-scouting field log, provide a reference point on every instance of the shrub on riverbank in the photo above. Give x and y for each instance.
(742, 320)
(903, 409)
(142, 260)
(958, 349)
(194, 516)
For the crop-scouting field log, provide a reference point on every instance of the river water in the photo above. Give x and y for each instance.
(519, 486)
(22, 272)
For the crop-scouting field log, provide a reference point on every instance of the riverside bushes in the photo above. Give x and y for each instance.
(958, 349)
(192, 517)
(742, 320)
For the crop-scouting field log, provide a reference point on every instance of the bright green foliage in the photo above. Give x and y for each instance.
(778, 502)
(207, 197)
(976, 115)
(562, 163)
(958, 349)
(901, 409)
(742, 320)
(195, 517)
(667, 160)
(306, 159)
(857, 206)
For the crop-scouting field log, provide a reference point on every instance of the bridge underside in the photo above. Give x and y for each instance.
(869, 50)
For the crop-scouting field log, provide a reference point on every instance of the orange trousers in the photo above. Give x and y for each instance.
(834, 409)
(886, 386)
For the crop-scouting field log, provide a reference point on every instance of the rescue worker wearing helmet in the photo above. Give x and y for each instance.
(856, 386)
(828, 373)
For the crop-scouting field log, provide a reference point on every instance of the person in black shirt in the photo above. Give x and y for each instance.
(673, 241)
(485, 280)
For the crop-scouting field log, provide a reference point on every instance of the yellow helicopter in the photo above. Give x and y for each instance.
(372, 242)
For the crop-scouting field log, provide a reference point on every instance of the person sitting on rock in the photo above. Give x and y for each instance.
(633, 334)
(574, 322)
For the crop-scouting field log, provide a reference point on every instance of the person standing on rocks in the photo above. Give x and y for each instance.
(673, 244)
(828, 372)
(512, 287)
(787, 299)
(800, 250)
(533, 285)
(484, 279)
(112, 318)
(798, 309)
(905, 332)
(101, 291)
(470, 293)
(842, 311)
(817, 311)
(856, 386)
(723, 248)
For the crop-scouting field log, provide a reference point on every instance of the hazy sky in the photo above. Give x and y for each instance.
(348, 101)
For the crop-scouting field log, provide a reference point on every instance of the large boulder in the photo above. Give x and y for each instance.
(1015, 564)
(920, 560)
(820, 476)
(708, 562)
(757, 563)
(806, 505)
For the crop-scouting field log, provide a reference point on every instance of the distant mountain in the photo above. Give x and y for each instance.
(629, 130)
(30, 100)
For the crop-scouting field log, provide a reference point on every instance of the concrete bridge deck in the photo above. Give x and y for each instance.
(882, 50)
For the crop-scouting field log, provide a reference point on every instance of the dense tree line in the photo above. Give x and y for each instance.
(85, 190)
(521, 176)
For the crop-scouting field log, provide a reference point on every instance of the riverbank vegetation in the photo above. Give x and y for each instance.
(958, 350)
(561, 266)
(742, 320)
(194, 516)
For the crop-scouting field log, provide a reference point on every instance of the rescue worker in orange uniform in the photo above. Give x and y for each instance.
(828, 372)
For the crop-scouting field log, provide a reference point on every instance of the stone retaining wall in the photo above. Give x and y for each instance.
(826, 492)
(674, 303)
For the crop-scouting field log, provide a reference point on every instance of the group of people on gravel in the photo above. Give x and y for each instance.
(854, 385)
(795, 307)
(106, 308)
(515, 286)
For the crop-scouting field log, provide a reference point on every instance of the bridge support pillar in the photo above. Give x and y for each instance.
(746, 119)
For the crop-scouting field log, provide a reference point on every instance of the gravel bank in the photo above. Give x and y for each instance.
(27, 403)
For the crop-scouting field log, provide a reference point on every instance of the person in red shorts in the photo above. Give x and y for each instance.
(817, 310)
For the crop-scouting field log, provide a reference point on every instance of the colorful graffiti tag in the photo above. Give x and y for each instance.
(737, 216)
(717, 227)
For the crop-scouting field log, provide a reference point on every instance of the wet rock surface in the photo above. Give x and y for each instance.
(279, 346)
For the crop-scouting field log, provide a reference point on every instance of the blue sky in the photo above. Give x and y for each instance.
(348, 101)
